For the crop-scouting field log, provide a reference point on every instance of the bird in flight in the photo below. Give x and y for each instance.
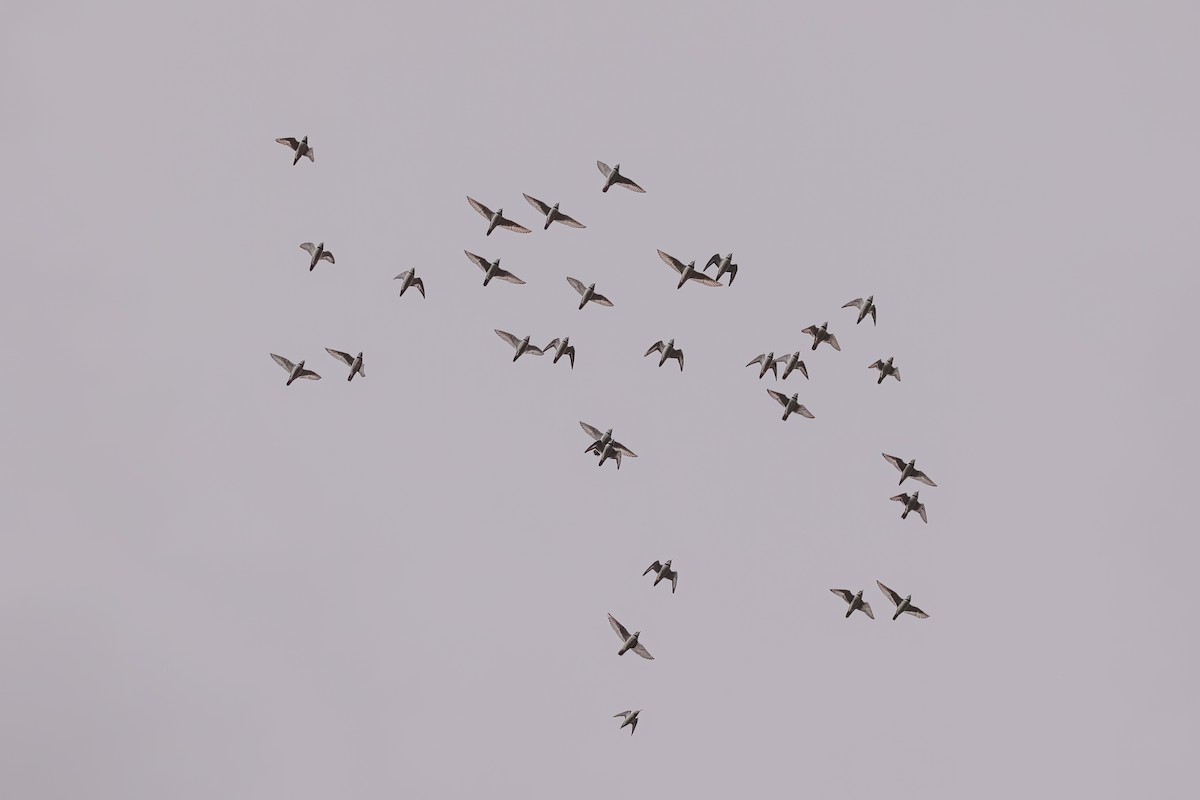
(631, 718)
(864, 307)
(317, 252)
(613, 177)
(553, 214)
(492, 270)
(903, 605)
(629, 642)
(301, 148)
(911, 504)
(295, 371)
(409, 278)
(355, 363)
(908, 470)
(664, 571)
(885, 368)
(855, 601)
(496, 219)
(668, 350)
(522, 346)
(687, 272)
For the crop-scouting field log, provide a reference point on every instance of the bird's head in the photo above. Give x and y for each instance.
(668, 563)
(916, 495)
(908, 598)
(870, 298)
(592, 287)
(671, 343)
(771, 355)
(555, 206)
(500, 212)
(320, 245)
(566, 341)
(637, 634)
(617, 168)
(300, 365)
(304, 140)
(359, 356)
(608, 433)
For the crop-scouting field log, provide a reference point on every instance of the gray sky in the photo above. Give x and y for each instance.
(215, 585)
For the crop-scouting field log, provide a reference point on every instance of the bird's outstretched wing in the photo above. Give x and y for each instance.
(641, 650)
(505, 222)
(590, 431)
(811, 330)
(917, 475)
(655, 348)
(283, 362)
(845, 594)
(628, 184)
(570, 351)
(857, 303)
(622, 714)
(916, 612)
(577, 285)
(308, 374)
(483, 210)
(900, 498)
(505, 275)
(309, 248)
(655, 567)
(757, 360)
(921, 511)
(605, 170)
(780, 397)
(714, 259)
(891, 595)
(678, 356)
(479, 261)
(508, 337)
(538, 204)
(289, 141)
(420, 284)
(704, 280)
(873, 320)
(345, 358)
(310, 155)
(674, 576)
(672, 262)
(618, 627)
(876, 365)
(403, 275)
(895, 373)
(570, 222)
(833, 342)
(534, 350)
(866, 609)
(804, 412)
(895, 461)
(601, 300)
(328, 256)
(620, 448)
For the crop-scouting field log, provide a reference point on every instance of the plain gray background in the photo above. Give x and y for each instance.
(213, 585)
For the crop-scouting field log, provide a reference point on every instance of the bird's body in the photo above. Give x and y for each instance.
(855, 602)
(295, 371)
(496, 219)
(903, 605)
(790, 363)
(724, 265)
(613, 177)
(521, 346)
(687, 272)
(552, 214)
(588, 294)
(885, 368)
(317, 252)
(355, 363)
(822, 334)
(629, 641)
(667, 350)
(492, 269)
(631, 719)
(767, 362)
(911, 503)
(663, 570)
(300, 148)
(790, 404)
(561, 347)
(908, 470)
(864, 307)
(409, 278)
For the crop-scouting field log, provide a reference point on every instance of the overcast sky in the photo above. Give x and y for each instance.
(215, 585)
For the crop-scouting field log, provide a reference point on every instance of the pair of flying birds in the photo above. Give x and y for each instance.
(605, 446)
(298, 371)
(908, 469)
(856, 603)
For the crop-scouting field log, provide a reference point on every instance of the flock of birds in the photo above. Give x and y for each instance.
(603, 444)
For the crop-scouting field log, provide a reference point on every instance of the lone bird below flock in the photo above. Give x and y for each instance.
(613, 177)
(724, 265)
(668, 350)
(664, 571)
(790, 404)
(522, 346)
(295, 371)
(561, 347)
(355, 363)
(864, 307)
(631, 718)
(409, 278)
(908, 470)
(767, 361)
(301, 148)
(553, 214)
(885, 368)
(687, 272)
(492, 270)
(790, 363)
(588, 294)
(856, 602)
(822, 334)
(911, 504)
(629, 642)
(903, 605)
(496, 219)
(317, 252)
